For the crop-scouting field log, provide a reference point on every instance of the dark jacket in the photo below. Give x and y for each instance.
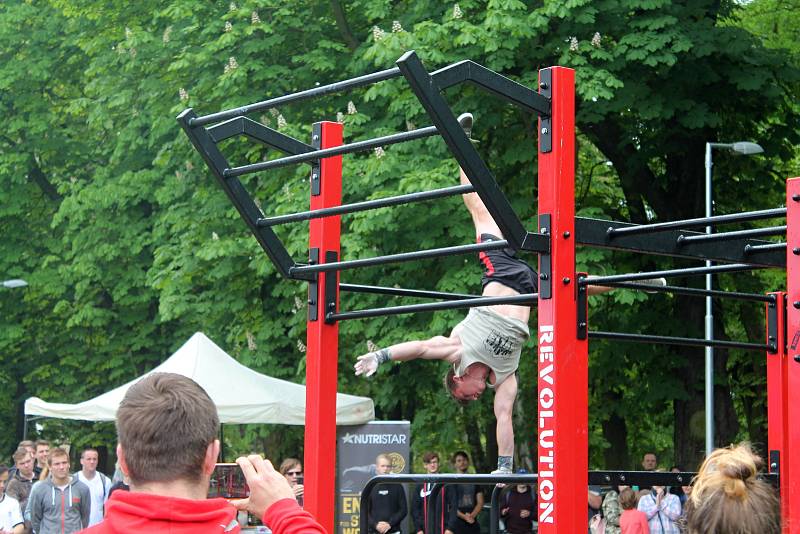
(420, 504)
(387, 502)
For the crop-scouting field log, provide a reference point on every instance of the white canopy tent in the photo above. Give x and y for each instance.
(241, 394)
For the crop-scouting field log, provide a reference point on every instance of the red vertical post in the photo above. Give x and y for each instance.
(563, 400)
(776, 383)
(789, 429)
(322, 352)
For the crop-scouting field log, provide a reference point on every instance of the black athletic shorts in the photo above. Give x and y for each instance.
(502, 266)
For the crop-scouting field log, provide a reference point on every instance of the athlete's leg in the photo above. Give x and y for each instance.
(483, 221)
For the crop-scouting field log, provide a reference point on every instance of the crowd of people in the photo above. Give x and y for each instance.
(167, 449)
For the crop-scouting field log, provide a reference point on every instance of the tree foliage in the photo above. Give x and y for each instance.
(129, 246)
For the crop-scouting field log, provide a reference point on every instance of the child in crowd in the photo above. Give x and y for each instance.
(632, 521)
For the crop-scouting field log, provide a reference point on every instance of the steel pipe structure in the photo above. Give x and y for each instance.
(397, 258)
(367, 205)
(689, 271)
(690, 291)
(358, 146)
(727, 236)
(335, 87)
(699, 221)
(686, 341)
(401, 292)
(525, 299)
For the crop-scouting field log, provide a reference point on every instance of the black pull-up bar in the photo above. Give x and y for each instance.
(367, 205)
(295, 97)
(524, 299)
(683, 341)
(726, 236)
(690, 271)
(402, 292)
(691, 291)
(752, 249)
(358, 146)
(396, 258)
(700, 221)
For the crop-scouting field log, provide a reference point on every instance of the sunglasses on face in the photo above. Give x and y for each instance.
(294, 473)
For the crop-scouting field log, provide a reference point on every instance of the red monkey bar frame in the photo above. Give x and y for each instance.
(783, 374)
(322, 354)
(563, 383)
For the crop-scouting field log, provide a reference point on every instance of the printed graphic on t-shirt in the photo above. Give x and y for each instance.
(499, 344)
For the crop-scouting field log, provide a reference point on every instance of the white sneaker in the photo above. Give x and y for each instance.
(466, 121)
(656, 282)
(502, 471)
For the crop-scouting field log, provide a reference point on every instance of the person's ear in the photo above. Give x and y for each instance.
(210, 461)
(123, 465)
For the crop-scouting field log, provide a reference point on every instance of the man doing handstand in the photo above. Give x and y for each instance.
(486, 346)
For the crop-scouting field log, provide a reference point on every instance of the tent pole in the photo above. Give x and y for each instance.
(24, 427)
(221, 443)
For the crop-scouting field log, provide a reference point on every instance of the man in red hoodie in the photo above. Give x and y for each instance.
(167, 427)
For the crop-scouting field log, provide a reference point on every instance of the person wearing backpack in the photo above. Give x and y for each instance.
(99, 484)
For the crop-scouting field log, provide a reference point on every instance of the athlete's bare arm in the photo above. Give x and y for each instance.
(435, 348)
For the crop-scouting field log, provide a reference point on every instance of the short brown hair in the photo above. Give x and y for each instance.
(58, 452)
(450, 386)
(27, 444)
(429, 456)
(42, 443)
(165, 424)
(20, 454)
(727, 497)
(287, 464)
(627, 499)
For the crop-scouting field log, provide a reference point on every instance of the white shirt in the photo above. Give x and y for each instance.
(99, 496)
(10, 513)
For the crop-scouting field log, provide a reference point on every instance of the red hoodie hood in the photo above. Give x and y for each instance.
(144, 512)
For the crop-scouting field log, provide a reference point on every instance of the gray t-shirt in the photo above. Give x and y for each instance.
(490, 338)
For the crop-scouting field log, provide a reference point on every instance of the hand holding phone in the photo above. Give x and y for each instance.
(267, 486)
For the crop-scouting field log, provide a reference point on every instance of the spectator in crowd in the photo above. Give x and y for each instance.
(662, 510)
(42, 451)
(292, 469)
(99, 485)
(595, 504)
(649, 463)
(61, 504)
(727, 498)
(21, 481)
(632, 521)
(422, 493)
(678, 490)
(387, 502)
(10, 513)
(465, 501)
(31, 448)
(519, 508)
(167, 427)
(612, 510)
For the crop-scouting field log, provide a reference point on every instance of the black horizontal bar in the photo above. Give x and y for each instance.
(700, 221)
(396, 258)
(685, 341)
(727, 236)
(594, 232)
(692, 291)
(358, 146)
(690, 271)
(294, 97)
(401, 292)
(655, 478)
(529, 299)
(367, 205)
(640, 478)
(753, 249)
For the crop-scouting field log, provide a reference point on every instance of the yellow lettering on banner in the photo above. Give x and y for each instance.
(350, 505)
(354, 520)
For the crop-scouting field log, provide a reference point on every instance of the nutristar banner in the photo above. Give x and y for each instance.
(356, 449)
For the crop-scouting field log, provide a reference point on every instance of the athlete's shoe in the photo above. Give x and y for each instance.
(655, 282)
(466, 121)
(502, 471)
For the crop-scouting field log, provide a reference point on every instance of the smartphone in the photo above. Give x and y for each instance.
(228, 482)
